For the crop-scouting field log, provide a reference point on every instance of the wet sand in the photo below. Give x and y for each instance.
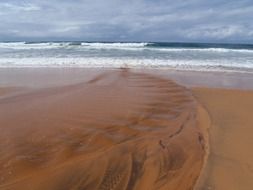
(110, 130)
(230, 163)
(6, 90)
(103, 129)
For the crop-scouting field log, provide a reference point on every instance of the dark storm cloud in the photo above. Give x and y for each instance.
(133, 20)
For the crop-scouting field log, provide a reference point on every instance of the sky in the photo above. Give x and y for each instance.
(127, 20)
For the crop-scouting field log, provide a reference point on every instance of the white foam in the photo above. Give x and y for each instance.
(24, 46)
(51, 45)
(83, 55)
(215, 50)
(120, 46)
(126, 62)
(115, 45)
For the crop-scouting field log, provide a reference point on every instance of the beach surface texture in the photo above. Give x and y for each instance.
(230, 162)
(125, 129)
(116, 130)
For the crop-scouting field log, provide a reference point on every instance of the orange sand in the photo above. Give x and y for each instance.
(230, 163)
(6, 90)
(120, 130)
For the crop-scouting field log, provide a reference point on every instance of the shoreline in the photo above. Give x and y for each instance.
(55, 76)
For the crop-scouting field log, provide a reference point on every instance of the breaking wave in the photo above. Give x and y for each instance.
(187, 56)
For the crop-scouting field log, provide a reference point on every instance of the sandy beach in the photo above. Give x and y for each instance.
(126, 95)
(121, 129)
(230, 163)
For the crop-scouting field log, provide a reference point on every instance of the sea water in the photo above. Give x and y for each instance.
(181, 56)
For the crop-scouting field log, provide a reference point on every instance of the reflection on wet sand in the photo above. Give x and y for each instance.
(120, 130)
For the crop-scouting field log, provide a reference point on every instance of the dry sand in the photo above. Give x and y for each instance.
(117, 130)
(230, 163)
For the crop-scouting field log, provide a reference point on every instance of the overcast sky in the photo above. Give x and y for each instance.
(127, 20)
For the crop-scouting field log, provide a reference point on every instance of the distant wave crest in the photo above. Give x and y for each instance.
(48, 45)
(165, 47)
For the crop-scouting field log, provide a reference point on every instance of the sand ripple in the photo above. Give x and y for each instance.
(121, 130)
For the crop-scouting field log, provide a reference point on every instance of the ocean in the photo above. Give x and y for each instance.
(180, 56)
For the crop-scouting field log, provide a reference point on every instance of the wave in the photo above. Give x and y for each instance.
(134, 46)
(86, 45)
(199, 45)
(25, 45)
(216, 50)
(120, 44)
(208, 65)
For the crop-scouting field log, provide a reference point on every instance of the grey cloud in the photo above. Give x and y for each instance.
(133, 20)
